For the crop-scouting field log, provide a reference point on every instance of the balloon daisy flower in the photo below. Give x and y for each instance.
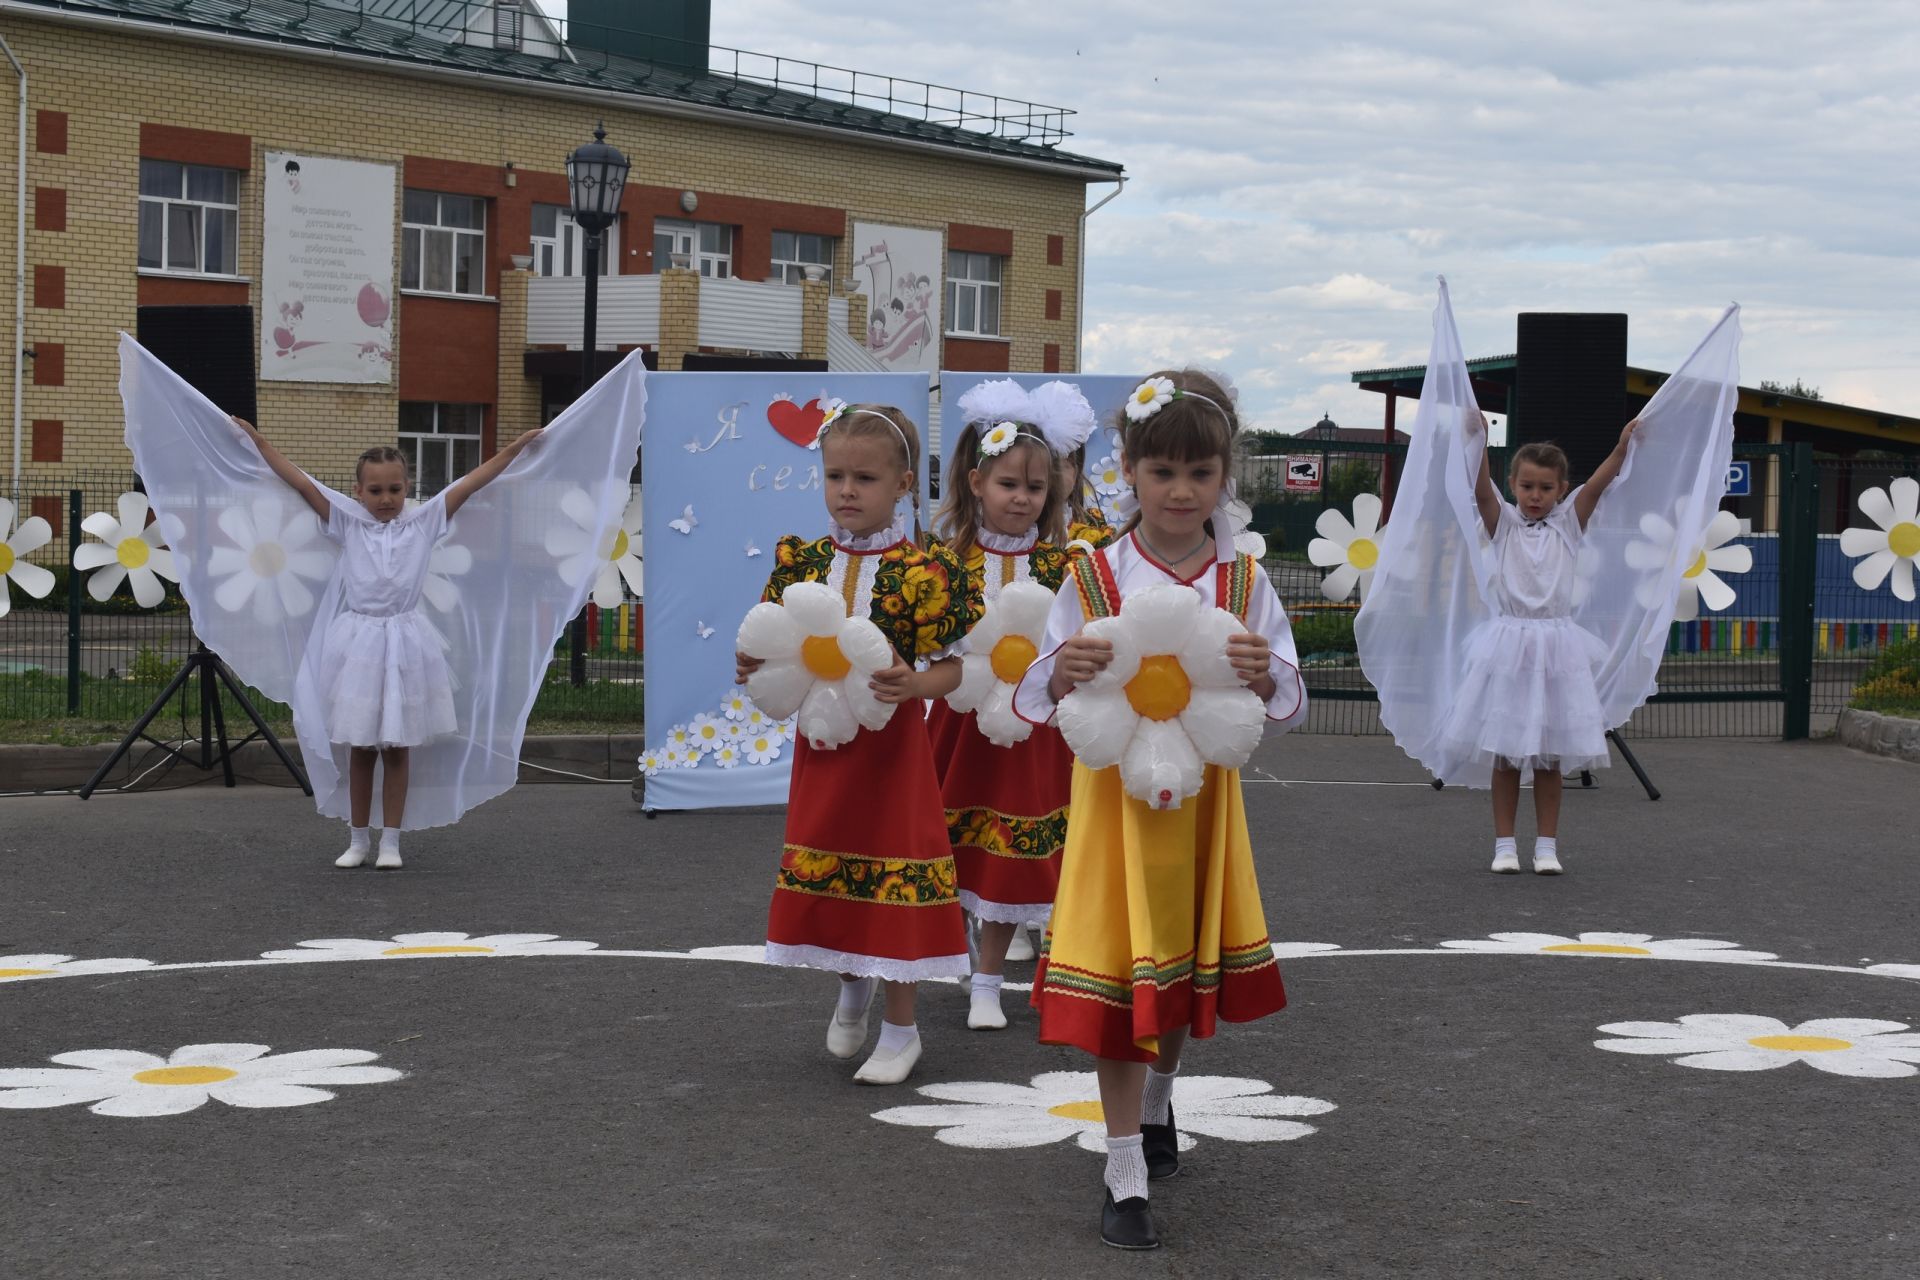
(1000, 648)
(1351, 548)
(1894, 547)
(34, 533)
(129, 550)
(1169, 703)
(817, 662)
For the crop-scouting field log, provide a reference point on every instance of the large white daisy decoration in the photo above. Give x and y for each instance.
(26, 968)
(129, 550)
(1169, 703)
(816, 662)
(1065, 1105)
(417, 946)
(1619, 946)
(447, 561)
(125, 1082)
(1351, 548)
(1000, 648)
(1893, 548)
(1700, 582)
(1747, 1042)
(276, 562)
(15, 546)
(606, 556)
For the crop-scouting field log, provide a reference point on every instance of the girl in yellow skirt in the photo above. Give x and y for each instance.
(1157, 930)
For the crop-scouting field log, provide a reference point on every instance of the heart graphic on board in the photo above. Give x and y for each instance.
(799, 423)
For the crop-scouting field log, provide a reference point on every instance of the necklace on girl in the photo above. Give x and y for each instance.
(1167, 560)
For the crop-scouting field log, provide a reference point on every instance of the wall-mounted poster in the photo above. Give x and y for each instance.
(901, 271)
(326, 274)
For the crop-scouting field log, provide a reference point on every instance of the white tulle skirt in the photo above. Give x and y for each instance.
(1528, 700)
(389, 685)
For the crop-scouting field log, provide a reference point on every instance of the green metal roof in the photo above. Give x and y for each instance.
(401, 33)
(1417, 373)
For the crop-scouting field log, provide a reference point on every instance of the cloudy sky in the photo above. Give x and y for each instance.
(1299, 173)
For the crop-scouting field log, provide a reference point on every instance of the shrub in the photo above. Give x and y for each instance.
(1891, 682)
(1324, 631)
(149, 667)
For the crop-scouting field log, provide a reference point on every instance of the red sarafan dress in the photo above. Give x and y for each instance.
(866, 883)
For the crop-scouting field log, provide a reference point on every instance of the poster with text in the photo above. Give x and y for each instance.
(326, 273)
(728, 473)
(901, 271)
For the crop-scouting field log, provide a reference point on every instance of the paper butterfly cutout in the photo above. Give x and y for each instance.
(686, 521)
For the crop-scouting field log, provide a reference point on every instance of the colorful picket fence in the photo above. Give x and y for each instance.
(1762, 635)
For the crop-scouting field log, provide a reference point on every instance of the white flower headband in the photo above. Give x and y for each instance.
(1000, 438)
(834, 409)
(1053, 413)
(1155, 394)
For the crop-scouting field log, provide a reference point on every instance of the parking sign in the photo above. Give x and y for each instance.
(1739, 479)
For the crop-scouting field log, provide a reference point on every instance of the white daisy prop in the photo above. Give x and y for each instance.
(1107, 477)
(29, 968)
(998, 439)
(686, 757)
(124, 1082)
(707, 732)
(1894, 547)
(15, 546)
(275, 565)
(680, 738)
(651, 762)
(411, 946)
(726, 755)
(1700, 583)
(736, 705)
(1627, 946)
(1746, 1042)
(1062, 1105)
(129, 550)
(1350, 547)
(605, 556)
(1149, 398)
(816, 662)
(761, 748)
(1000, 648)
(1169, 703)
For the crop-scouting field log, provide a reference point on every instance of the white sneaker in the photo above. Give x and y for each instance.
(354, 857)
(889, 1068)
(846, 1035)
(1506, 863)
(389, 860)
(1020, 947)
(1546, 863)
(985, 1014)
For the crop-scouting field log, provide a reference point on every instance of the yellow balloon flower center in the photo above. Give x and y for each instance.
(6, 559)
(23, 973)
(1698, 567)
(822, 656)
(184, 1075)
(267, 558)
(1597, 949)
(1800, 1044)
(1904, 539)
(1011, 658)
(438, 951)
(1363, 553)
(1089, 1111)
(132, 552)
(1161, 690)
(620, 544)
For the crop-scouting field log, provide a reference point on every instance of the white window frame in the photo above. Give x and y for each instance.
(792, 268)
(200, 213)
(688, 238)
(565, 252)
(975, 277)
(450, 425)
(419, 239)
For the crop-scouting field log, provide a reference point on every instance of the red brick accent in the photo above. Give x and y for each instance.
(50, 288)
(49, 208)
(50, 133)
(972, 355)
(50, 509)
(447, 350)
(1050, 358)
(50, 364)
(965, 238)
(170, 291)
(48, 439)
(1053, 304)
(196, 146)
(1056, 250)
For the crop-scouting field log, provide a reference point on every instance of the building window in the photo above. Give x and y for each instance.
(708, 246)
(794, 252)
(441, 443)
(560, 246)
(189, 218)
(973, 294)
(508, 24)
(443, 242)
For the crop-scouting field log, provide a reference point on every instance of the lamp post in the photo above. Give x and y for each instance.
(596, 176)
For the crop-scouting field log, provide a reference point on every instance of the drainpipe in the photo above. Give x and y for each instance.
(19, 261)
(1079, 301)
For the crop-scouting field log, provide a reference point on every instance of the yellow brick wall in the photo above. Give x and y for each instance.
(110, 82)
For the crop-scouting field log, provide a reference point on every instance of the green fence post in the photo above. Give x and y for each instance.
(74, 588)
(1799, 542)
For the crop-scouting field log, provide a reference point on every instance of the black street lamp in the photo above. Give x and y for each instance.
(596, 176)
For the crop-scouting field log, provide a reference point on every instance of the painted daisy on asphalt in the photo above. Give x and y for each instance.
(1168, 703)
(816, 662)
(1699, 581)
(1351, 545)
(1000, 648)
(129, 550)
(124, 1082)
(761, 748)
(28, 968)
(1059, 1105)
(588, 552)
(1892, 548)
(409, 946)
(1746, 1042)
(1631, 946)
(276, 564)
(15, 546)
(708, 733)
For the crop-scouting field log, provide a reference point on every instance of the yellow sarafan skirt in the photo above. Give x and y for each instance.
(1157, 922)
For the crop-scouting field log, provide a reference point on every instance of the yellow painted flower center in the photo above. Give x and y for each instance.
(267, 559)
(6, 559)
(184, 1075)
(439, 951)
(1088, 1111)
(1011, 658)
(132, 552)
(1363, 553)
(24, 973)
(1800, 1044)
(822, 656)
(620, 544)
(1904, 539)
(1597, 949)
(1698, 567)
(1161, 690)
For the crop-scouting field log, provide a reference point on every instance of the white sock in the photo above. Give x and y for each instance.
(356, 838)
(1156, 1100)
(1126, 1168)
(893, 1039)
(988, 982)
(1504, 846)
(389, 839)
(854, 997)
(1546, 847)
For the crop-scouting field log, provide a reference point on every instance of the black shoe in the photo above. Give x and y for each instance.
(1128, 1224)
(1161, 1145)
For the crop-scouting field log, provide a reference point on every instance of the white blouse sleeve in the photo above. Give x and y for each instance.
(1033, 698)
(1266, 616)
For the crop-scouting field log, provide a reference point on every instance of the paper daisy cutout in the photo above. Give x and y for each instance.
(1169, 703)
(1894, 547)
(651, 762)
(760, 748)
(999, 439)
(680, 738)
(708, 733)
(1107, 477)
(124, 1082)
(736, 705)
(726, 755)
(1062, 1105)
(1149, 398)
(1000, 648)
(1656, 549)
(1353, 546)
(275, 564)
(28, 968)
(1631, 946)
(408, 946)
(15, 545)
(1745, 1042)
(816, 663)
(129, 550)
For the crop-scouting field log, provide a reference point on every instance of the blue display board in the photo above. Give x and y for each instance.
(1106, 392)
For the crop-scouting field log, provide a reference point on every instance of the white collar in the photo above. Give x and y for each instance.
(880, 541)
(1004, 544)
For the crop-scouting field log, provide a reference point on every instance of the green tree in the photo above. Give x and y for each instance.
(1798, 388)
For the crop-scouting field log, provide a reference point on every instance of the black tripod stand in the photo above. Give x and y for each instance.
(213, 723)
(1626, 753)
